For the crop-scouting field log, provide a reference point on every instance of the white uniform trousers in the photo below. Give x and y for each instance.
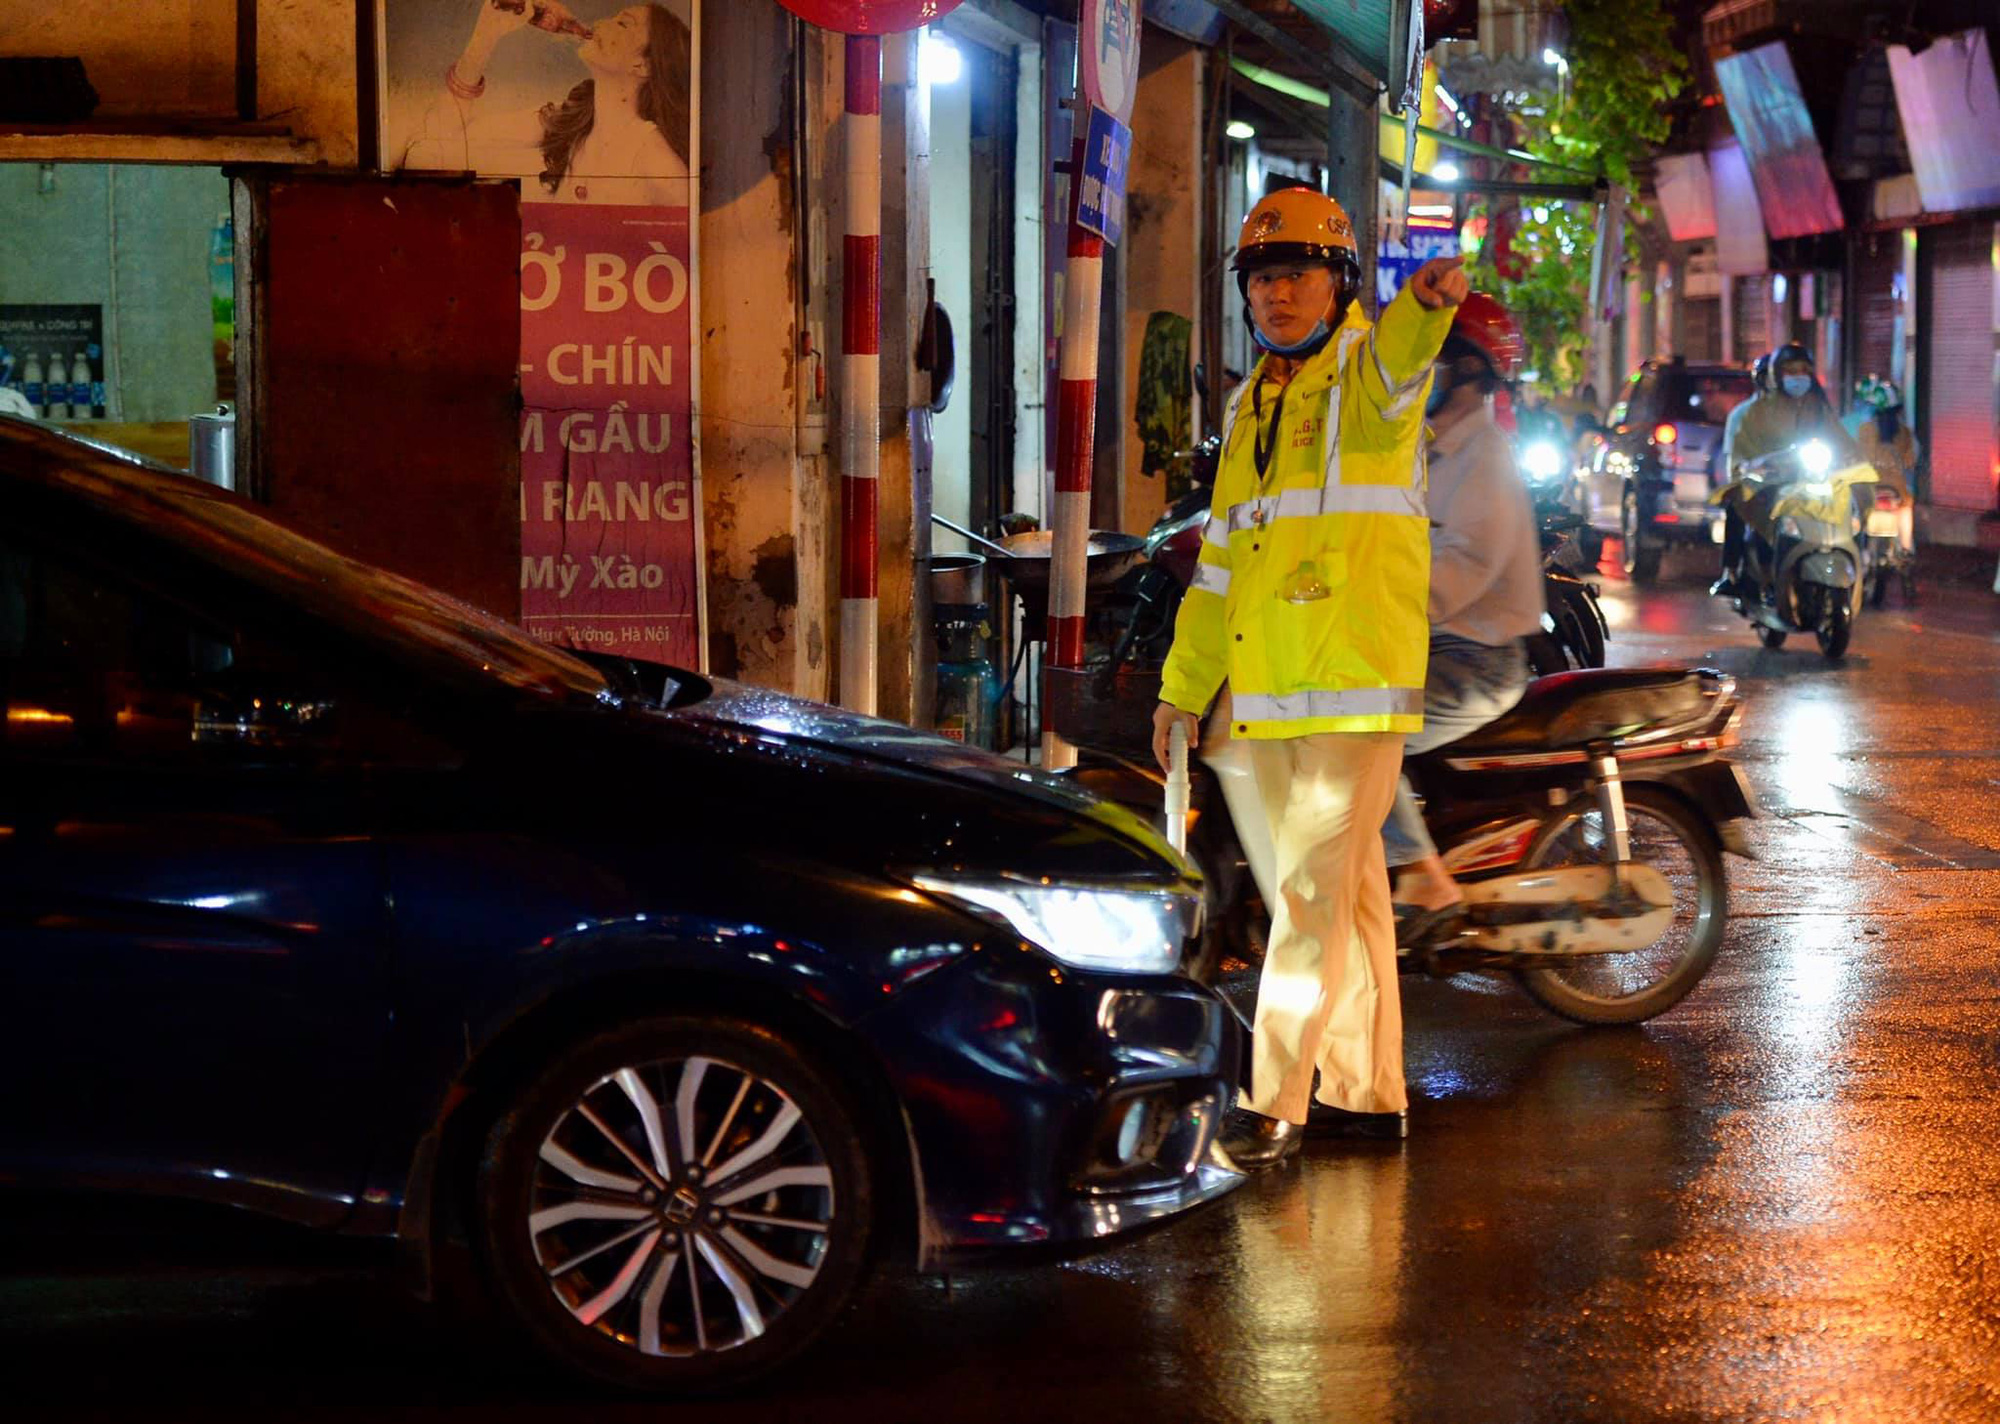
(1329, 997)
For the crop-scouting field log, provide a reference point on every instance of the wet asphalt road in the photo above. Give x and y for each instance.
(1781, 1201)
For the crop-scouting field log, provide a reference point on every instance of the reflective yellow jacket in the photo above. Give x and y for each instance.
(1310, 594)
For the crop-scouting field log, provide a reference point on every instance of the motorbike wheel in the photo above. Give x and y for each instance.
(1581, 629)
(1546, 655)
(1640, 560)
(1772, 638)
(1632, 987)
(1878, 588)
(1836, 628)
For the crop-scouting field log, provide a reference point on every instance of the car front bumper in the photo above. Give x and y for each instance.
(1051, 1107)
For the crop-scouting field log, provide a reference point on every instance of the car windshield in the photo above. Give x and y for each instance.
(1703, 395)
(351, 595)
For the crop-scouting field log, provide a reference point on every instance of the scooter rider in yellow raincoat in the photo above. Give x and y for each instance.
(1310, 602)
(1788, 409)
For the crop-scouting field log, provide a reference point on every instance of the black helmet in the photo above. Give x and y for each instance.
(1760, 372)
(1791, 351)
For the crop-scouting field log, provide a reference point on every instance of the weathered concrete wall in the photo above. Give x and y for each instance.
(177, 58)
(764, 498)
(1162, 246)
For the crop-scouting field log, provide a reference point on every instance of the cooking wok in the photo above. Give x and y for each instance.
(1024, 559)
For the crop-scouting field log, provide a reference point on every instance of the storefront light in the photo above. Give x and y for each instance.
(1445, 172)
(1240, 131)
(942, 63)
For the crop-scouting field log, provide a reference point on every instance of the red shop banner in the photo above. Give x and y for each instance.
(609, 552)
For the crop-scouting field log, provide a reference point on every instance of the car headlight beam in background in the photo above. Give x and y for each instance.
(1083, 926)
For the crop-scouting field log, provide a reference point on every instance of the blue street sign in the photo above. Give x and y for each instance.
(1100, 197)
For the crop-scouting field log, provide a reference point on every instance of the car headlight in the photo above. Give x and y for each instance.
(1084, 926)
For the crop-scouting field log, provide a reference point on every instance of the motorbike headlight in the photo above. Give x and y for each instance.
(1085, 926)
(1542, 461)
(1816, 456)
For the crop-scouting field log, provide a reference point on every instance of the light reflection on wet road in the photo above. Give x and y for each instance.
(1781, 1201)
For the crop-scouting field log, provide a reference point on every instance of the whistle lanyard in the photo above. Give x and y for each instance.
(1264, 453)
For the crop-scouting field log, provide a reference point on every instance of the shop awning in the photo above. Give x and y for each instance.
(1550, 180)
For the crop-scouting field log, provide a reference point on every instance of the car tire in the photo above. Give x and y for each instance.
(1640, 560)
(612, 1217)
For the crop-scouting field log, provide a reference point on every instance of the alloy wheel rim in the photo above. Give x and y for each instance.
(680, 1207)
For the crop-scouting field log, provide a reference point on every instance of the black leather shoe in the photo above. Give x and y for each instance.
(1728, 586)
(1324, 1121)
(1257, 1143)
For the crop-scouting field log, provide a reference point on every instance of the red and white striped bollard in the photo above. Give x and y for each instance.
(861, 373)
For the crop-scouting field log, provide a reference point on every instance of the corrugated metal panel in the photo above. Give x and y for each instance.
(1753, 319)
(1768, 111)
(1878, 265)
(1362, 24)
(1702, 329)
(1960, 365)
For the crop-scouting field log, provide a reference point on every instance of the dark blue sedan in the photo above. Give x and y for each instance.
(663, 1005)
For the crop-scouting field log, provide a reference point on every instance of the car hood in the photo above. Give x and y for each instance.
(872, 739)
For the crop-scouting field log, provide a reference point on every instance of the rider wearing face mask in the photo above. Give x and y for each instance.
(1788, 410)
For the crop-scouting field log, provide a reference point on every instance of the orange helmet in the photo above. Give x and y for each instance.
(1483, 324)
(1295, 225)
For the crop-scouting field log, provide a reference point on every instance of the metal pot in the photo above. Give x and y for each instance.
(957, 579)
(212, 447)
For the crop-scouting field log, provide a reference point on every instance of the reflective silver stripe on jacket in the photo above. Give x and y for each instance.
(1328, 499)
(1400, 393)
(1344, 702)
(1213, 577)
(1215, 533)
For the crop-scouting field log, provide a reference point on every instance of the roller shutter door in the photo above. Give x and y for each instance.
(1959, 345)
(1753, 318)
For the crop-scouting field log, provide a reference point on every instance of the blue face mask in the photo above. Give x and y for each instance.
(1305, 346)
(1440, 393)
(1796, 386)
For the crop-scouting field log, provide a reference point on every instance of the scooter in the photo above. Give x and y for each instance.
(1587, 825)
(1800, 553)
(1884, 552)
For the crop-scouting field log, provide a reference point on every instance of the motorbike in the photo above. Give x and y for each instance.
(1573, 627)
(1588, 827)
(1800, 551)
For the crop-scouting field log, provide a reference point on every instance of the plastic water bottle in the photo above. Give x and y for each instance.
(79, 387)
(31, 382)
(222, 285)
(55, 389)
(93, 354)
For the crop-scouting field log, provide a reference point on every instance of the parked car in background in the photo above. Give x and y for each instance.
(1645, 475)
(660, 1005)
